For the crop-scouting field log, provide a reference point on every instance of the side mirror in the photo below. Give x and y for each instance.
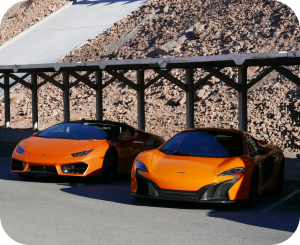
(152, 144)
(261, 150)
(127, 138)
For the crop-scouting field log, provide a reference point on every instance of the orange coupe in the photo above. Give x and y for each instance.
(209, 165)
(81, 148)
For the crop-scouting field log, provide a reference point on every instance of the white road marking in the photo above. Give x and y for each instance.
(280, 201)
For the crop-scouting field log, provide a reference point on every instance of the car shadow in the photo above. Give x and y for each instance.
(284, 219)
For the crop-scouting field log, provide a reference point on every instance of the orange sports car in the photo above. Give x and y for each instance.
(81, 148)
(209, 165)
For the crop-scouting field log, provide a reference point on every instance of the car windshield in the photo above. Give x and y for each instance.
(77, 131)
(205, 143)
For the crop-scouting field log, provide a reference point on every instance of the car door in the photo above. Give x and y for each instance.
(128, 148)
(265, 162)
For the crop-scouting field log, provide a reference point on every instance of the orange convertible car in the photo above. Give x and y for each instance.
(209, 165)
(81, 148)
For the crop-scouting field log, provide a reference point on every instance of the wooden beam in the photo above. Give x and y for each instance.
(204, 80)
(113, 79)
(16, 82)
(19, 80)
(154, 80)
(45, 81)
(123, 79)
(224, 78)
(83, 79)
(259, 77)
(2, 76)
(172, 79)
(288, 74)
(51, 80)
(86, 75)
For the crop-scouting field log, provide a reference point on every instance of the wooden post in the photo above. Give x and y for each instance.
(99, 96)
(66, 96)
(190, 98)
(242, 79)
(141, 99)
(34, 101)
(7, 100)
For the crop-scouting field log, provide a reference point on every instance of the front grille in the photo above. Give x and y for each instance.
(42, 169)
(186, 195)
(148, 187)
(17, 165)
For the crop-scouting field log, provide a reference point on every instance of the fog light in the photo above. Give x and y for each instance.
(65, 168)
(77, 168)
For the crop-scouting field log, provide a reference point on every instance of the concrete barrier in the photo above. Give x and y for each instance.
(292, 168)
(14, 135)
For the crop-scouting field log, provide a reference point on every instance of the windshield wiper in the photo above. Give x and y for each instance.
(179, 153)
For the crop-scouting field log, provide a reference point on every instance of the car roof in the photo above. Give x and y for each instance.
(105, 122)
(218, 129)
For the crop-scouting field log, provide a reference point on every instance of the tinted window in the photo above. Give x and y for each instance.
(76, 131)
(219, 144)
(252, 145)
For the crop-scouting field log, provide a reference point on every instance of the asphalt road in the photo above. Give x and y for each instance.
(50, 210)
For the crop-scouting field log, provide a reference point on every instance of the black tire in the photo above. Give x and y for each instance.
(253, 192)
(110, 166)
(26, 176)
(278, 189)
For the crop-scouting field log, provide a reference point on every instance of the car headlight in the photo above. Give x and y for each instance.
(82, 153)
(141, 166)
(20, 150)
(238, 172)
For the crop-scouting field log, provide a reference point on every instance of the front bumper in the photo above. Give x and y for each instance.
(213, 193)
(68, 169)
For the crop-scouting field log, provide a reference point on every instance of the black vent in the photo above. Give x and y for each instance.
(222, 191)
(16, 165)
(42, 169)
(142, 185)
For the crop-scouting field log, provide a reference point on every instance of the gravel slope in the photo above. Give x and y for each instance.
(25, 14)
(179, 29)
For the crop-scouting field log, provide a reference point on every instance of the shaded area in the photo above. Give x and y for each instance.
(284, 217)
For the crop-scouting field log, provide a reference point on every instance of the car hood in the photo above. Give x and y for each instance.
(57, 147)
(186, 172)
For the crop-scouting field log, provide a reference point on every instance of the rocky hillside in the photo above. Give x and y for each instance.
(25, 14)
(180, 28)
